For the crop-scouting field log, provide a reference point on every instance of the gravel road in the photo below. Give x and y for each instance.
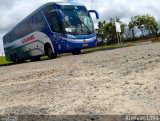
(116, 81)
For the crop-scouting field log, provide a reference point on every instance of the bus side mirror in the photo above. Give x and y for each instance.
(93, 11)
(59, 12)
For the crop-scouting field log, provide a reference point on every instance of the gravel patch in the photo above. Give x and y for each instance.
(112, 82)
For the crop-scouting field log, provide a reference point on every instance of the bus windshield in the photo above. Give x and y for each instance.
(76, 20)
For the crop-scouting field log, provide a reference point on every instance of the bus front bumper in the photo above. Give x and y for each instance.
(71, 44)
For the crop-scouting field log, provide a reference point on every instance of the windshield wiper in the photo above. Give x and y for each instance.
(79, 22)
(89, 31)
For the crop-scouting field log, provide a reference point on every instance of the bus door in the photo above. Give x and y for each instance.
(57, 33)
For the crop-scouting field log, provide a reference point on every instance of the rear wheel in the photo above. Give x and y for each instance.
(11, 57)
(50, 53)
(15, 59)
(76, 52)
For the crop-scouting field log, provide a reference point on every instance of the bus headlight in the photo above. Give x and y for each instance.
(68, 39)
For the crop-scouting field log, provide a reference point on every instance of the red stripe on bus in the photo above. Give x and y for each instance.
(27, 39)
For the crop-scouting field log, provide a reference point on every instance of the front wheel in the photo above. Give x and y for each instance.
(50, 53)
(76, 52)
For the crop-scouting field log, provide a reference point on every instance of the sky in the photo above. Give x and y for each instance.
(13, 11)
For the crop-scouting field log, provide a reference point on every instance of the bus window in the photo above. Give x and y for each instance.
(47, 14)
(55, 27)
(39, 22)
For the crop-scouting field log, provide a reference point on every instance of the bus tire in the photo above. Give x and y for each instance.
(11, 57)
(76, 52)
(50, 53)
(15, 59)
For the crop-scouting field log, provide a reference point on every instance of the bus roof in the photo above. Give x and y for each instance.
(68, 3)
(59, 3)
(43, 6)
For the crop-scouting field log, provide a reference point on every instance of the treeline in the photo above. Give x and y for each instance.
(139, 27)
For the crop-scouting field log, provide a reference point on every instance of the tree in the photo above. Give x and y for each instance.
(131, 26)
(110, 30)
(107, 31)
(145, 23)
(152, 25)
(100, 30)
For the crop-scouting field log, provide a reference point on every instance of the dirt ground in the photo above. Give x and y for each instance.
(116, 81)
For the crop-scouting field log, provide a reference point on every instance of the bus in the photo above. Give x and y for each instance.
(54, 28)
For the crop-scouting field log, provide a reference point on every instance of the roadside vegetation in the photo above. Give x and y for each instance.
(140, 27)
(3, 60)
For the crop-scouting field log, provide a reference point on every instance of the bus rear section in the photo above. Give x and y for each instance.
(27, 39)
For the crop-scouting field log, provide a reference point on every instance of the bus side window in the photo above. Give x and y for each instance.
(55, 26)
(38, 22)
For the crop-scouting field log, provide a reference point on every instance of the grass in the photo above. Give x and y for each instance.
(3, 60)
(108, 46)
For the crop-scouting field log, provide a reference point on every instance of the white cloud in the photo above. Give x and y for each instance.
(12, 12)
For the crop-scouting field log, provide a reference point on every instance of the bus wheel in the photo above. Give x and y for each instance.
(15, 59)
(11, 57)
(76, 52)
(50, 53)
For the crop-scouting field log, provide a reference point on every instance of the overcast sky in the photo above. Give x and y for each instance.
(13, 11)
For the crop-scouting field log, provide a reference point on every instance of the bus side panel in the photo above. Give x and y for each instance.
(49, 33)
(55, 39)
